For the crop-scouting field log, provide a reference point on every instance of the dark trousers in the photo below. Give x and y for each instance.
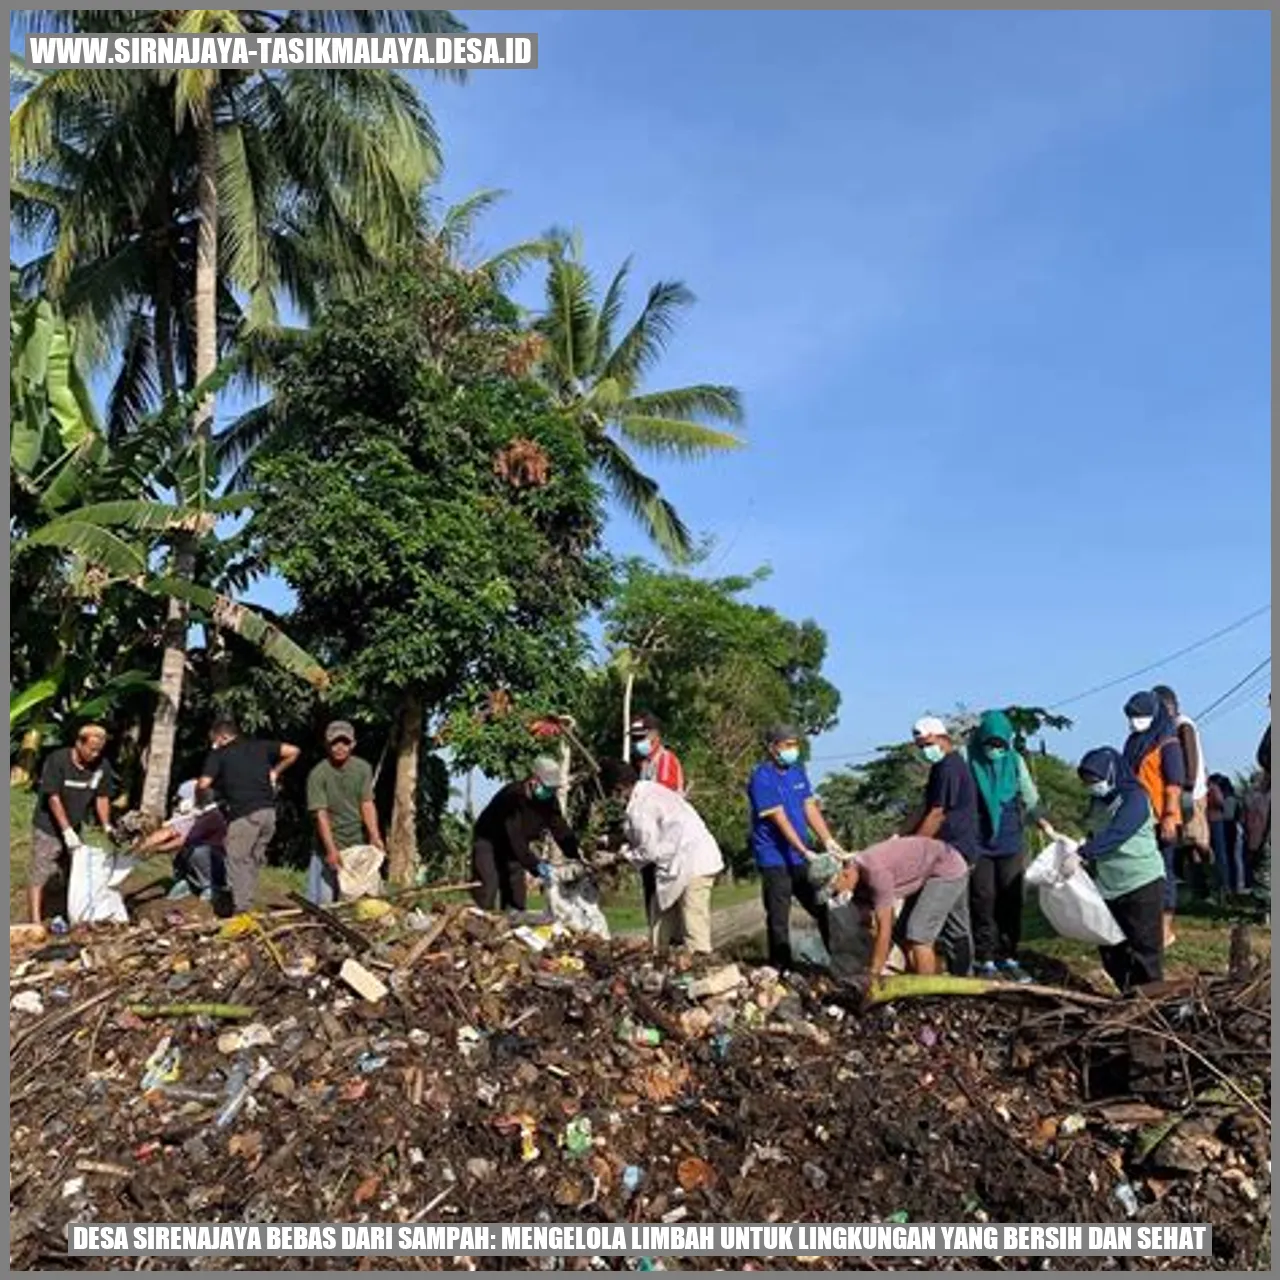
(1138, 959)
(649, 879)
(778, 885)
(995, 907)
(502, 877)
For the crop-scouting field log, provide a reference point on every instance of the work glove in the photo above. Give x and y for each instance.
(1068, 864)
(832, 846)
(545, 873)
(71, 842)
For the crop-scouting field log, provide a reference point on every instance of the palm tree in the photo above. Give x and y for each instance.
(598, 381)
(268, 185)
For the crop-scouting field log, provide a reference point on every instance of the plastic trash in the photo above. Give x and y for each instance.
(164, 1066)
(27, 1002)
(58, 926)
(717, 983)
(1073, 907)
(632, 1177)
(1128, 1198)
(93, 891)
(578, 1137)
(360, 872)
(573, 899)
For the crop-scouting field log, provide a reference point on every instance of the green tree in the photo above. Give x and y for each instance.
(437, 520)
(597, 377)
(716, 669)
(265, 184)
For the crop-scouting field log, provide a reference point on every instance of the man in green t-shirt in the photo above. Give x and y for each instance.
(340, 800)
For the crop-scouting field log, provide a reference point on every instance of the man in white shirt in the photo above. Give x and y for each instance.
(663, 830)
(1195, 796)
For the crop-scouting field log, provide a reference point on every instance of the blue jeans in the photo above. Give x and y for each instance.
(322, 882)
(202, 867)
(1227, 857)
(1170, 854)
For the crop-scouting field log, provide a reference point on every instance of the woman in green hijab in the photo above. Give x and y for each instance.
(1007, 799)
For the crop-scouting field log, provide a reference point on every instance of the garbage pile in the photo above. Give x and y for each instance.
(378, 1064)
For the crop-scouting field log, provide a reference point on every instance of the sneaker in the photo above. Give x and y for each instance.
(1013, 971)
(986, 969)
(179, 890)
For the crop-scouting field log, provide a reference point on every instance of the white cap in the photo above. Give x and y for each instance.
(930, 727)
(187, 796)
(547, 771)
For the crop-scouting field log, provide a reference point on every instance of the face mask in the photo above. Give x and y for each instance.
(543, 792)
(1140, 724)
(932, 753)
(1099, 789)
(643, 748)
(789, 755)
(996, 753)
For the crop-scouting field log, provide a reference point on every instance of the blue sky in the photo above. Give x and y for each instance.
(995, 287)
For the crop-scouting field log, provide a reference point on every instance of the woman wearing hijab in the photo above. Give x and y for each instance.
(1127, 865)
(1007, 798)
(1155, 759)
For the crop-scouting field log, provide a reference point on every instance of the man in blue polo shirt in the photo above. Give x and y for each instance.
(783, 813)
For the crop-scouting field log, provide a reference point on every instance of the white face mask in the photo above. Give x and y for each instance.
(1140, 724)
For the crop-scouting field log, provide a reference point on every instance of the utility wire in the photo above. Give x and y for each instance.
(1160, 662)
(1239, 684)
(1111, 684)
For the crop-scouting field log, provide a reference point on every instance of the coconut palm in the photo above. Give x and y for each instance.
(268, 185)
(597, 377)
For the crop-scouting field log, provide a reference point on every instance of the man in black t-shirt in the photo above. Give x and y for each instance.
(75, 780)
(950, 815)
(244, 773)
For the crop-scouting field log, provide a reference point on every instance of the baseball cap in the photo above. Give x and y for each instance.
(645, 723)
(548, 772)
(930, 727)
(339, 729)
(781, 733)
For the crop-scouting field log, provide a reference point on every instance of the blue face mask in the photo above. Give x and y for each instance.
(932, 753)
(996, 753)
(642, 747)
(789, 755)
(542, 792)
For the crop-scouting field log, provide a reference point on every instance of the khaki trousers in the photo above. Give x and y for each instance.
(690, 914)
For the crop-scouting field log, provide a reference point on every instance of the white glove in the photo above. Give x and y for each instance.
(1068, 864)
(71, 842)
(832, 846)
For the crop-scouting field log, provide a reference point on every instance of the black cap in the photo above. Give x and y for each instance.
(645, 722)
(781, 733)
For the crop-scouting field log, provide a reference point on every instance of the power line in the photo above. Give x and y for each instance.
(1239, 684)
(1160, 662)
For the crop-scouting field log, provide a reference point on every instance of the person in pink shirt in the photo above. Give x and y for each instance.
(929, 874)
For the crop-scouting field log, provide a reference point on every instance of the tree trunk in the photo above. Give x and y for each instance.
(164, 731)
(626, 715)
(402, 845)
(23, 772)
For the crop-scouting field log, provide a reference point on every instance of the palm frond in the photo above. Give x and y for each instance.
(639, 494)
(702, 400)
(136, 387)
(674, 437)
(458, 222)
(643, 344)
(569, 321)
(610, 310)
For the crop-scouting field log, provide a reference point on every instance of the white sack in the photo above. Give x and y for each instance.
(93, 894)
(1074, 907)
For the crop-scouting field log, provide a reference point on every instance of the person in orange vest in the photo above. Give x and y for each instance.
(1154, 754)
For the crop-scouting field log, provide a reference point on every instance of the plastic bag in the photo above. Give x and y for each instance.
(360, 872)
(93, 893)
(574, 901)
(1073, 907)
